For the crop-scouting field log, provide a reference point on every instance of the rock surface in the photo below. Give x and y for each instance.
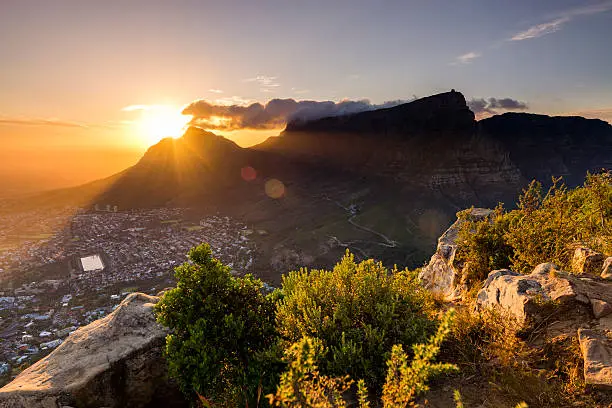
(526, 296)
(586, 260)
(112, 362)
(596, 347)
(441, 275)
(601, 308)
(569, 302)
(606, 273)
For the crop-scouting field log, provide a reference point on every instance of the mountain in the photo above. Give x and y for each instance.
(385, 183)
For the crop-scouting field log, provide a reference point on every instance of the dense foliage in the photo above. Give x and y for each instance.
(407, 380)
(545, 227)
(321, 335)
(222, 340)
(359, 311)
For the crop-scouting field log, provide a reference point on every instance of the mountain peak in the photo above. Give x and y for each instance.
(440, 112)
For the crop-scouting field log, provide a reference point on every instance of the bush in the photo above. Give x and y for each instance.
(482, 246)
(545, 227)
(222, 341)
(303, 386)
(359, 311)
(406, 381)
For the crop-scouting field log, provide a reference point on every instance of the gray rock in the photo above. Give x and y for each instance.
(524, 296)
(606, 272)
(596, 348)
(441, 274)
(114, 362)
(586, 260)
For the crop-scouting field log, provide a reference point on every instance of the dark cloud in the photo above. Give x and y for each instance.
(274, 114)
(494, 105)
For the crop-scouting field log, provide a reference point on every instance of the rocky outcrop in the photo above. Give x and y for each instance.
(596, 347)
(113, 362)
(441, 275)
(526, 296)
(586, 260)
(579, 304)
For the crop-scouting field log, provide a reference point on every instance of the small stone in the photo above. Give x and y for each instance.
(600, 308)
(606, 273)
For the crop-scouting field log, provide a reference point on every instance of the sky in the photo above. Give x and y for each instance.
(111, 75)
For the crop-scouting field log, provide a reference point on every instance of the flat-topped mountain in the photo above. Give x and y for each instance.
(384, 182)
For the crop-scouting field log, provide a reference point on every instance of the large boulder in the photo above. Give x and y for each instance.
(113, 362)
(525, 296)
(441, 275)
(586, 260)
(596, 347)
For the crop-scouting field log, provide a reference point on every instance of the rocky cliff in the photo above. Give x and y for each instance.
(113, 362)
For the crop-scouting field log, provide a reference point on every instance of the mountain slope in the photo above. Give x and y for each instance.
(385, 183)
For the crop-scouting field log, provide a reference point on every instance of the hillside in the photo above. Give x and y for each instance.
(383, 182)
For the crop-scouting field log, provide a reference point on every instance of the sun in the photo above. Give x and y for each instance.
(160, 121)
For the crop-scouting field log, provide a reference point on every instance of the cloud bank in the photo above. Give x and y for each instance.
(493, 106)
(274, 114)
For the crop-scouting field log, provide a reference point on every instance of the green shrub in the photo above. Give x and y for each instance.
(406, 380)
(482, 246)
(546, 227)
(222, 341)
(302, 385)
(358, 311)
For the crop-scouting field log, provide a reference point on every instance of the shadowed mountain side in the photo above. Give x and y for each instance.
(542, 145)
(385, 183)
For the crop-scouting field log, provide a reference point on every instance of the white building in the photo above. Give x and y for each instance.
(92, 263)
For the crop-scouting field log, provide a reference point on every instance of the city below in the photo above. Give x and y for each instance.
(61, 270)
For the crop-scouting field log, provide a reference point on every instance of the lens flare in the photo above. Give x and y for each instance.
(275, 188)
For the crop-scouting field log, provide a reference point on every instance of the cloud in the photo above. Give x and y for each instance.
(217, 91)
(466, 58)
(274, 114)
(540, 29)
(266, 83)
(559, 19)
(39, 122)
(132, 108)
(492, 106)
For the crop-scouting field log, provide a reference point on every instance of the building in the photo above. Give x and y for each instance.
(92, 263)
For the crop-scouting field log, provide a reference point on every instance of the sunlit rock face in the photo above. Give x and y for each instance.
(441, 275)
(113, 362)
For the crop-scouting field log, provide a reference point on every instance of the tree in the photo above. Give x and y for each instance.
(222, 344)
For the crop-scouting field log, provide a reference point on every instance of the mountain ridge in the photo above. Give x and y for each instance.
(401, 172)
